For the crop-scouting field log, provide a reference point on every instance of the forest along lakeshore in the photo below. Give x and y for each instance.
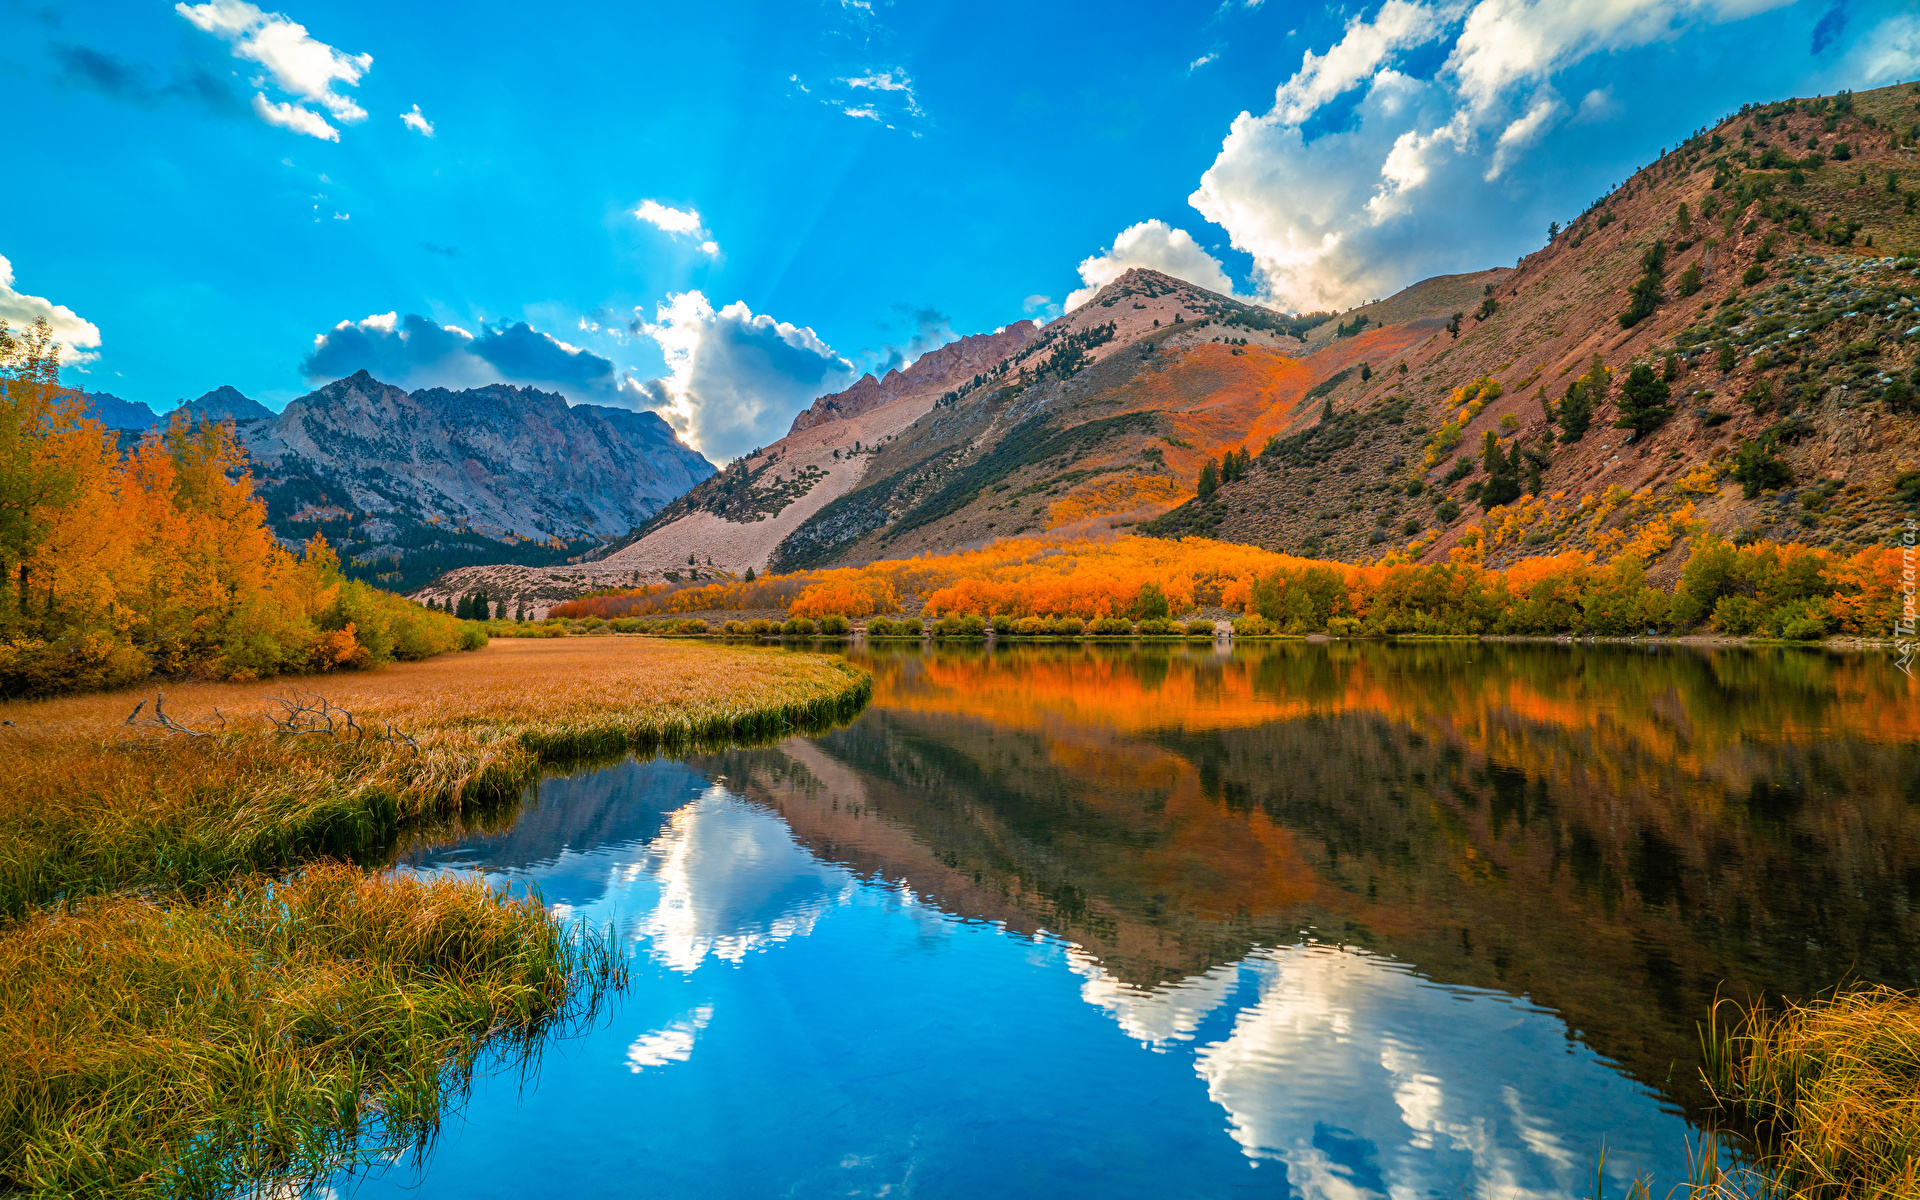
(1429, 918)
(204, 989)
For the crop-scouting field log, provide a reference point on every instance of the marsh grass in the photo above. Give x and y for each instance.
(94, 806)
(196, 999)
(1830, 1091)
(281, 1029)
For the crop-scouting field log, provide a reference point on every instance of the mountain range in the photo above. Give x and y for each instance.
(407, 485)
(1727, 338)
(1724, 338)
(223, 403)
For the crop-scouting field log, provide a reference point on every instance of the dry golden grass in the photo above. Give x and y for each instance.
(1832, 1089)
(278, 1031)
(179, 1017)
(96, 806)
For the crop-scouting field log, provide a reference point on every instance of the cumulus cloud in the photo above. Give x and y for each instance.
(734, 379)
(1522, 133)
(1334, 216)
(413, 351)
(1508, 42)
(77, 337)
(296, 117)
(1888, 54)
(679, 222)
(417, 122)
(299, 65)
(1153, 244)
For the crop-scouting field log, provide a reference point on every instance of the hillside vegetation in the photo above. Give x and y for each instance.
(1728, 338)
(117, 567)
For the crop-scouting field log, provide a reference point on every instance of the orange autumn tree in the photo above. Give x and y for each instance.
(112, 568)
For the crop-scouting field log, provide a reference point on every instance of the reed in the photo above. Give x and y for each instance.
(96, 806)
(196, 1000)
(1831, 1091)
(280, 1030)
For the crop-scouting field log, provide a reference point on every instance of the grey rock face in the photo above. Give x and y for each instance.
(504, 460)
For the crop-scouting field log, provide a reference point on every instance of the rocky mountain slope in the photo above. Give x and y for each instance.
(224, 403)
(1728, 337)
(115, 413)
(410, 484)
(1754, 277)
(735, 520)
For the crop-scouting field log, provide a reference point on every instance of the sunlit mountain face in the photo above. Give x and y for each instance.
(1330, 921)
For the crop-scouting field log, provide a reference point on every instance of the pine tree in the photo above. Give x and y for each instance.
(749, 575)
(1209, 479)
(1643, 401)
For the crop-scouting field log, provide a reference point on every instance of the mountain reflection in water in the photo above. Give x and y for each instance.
(1407, 920)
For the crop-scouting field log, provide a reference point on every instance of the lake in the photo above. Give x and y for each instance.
(1342, 921)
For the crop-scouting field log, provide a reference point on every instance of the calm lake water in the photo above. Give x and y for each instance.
(1329, 921)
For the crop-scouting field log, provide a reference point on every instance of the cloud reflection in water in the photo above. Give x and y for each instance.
(1367, 1080)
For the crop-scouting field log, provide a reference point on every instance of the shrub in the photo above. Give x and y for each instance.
(1069, 627)
(1757, 468)
(1447, 511)
(694, 625)
(1251, 625)
(1151, 602)
(880, 627)
(972, 626)
(760, 627)
(1200, 627)
(1153, 627)
(1736, 616)
(798, 627)
(1799, 621)
(1752, 275)
(1030, 627)
(1111, 627)
(1002, 626)
(835, 625)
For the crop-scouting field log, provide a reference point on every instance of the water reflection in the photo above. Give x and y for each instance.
(1336, 922)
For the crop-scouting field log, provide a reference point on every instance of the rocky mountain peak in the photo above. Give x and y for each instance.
(936, 371)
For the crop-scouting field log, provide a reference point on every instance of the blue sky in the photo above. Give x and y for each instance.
(722, 210)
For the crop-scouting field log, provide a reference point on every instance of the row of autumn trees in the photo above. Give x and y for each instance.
(114, 568)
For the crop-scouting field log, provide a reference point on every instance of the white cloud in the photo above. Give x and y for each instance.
(1333, 217)
(679, 222)
(1597, 105)
(417, 122)
(1508, 42)
(1153, 244)
(75, 335)
(871, 114)
(299, 65)
(1039, 306)
(1889, 54)
(1355, 57)
(1523, 132)
(895, 81)
(734, 379)
(1202, 61)
(294, 117)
